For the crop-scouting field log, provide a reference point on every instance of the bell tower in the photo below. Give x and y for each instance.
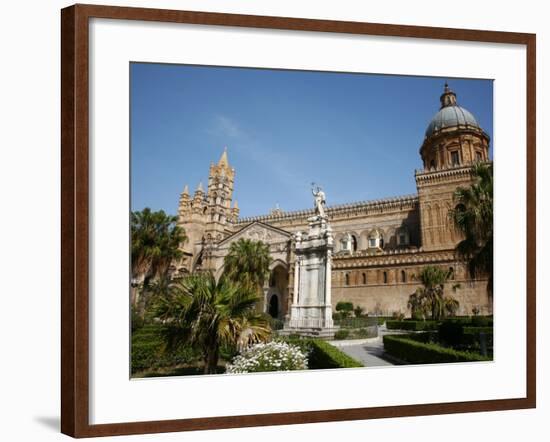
(453, 142)
(220, 193)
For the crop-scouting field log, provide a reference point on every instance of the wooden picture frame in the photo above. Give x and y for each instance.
(75, 219)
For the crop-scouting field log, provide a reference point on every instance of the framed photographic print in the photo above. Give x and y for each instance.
(307, 220)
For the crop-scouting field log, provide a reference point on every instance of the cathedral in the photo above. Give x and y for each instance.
(380, 246)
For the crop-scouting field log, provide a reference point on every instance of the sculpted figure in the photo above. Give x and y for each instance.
(320, 201)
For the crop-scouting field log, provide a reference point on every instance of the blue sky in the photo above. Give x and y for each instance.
(357, 135)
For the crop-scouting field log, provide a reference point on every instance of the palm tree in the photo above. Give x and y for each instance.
(431, 297)
(473, 216)
(156, 241)
(248, 263)
(207, 315)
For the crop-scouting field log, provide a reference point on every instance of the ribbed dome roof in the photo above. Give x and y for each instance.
(450, 115)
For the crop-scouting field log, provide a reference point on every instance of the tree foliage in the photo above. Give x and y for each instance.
(430, 299)
(156, 241)
(473, 216)
(205, 314)
(247, 263)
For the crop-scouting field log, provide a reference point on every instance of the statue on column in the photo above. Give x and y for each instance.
(320, 200)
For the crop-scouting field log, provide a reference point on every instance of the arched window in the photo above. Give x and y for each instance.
(403, 276)
(347, 278)
(451, 273)
(381, 242)
(354, 243)
(385, 277)
(364, 278)
(432, 164)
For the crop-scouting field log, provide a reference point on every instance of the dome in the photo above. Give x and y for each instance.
(450, 115)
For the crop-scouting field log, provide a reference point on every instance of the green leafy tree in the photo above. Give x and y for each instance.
(430, 299)
(473, 216)
(207, 315)
(359, 311)
(155, 244)
(344, 308)
(247, 263)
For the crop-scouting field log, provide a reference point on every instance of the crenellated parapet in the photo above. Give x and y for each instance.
(341, 210)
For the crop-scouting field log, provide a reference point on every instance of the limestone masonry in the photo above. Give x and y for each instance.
(379, 247)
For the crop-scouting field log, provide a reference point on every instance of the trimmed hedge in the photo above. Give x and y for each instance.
(411, 325)
(356, 322)
(341, 334)
(476, 330)
(406, 348)
(323, 355)
(147, 350)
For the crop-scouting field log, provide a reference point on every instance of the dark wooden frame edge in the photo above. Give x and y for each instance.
(74, 220)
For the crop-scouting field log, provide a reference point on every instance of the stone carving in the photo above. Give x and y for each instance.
(320, 200)
(311, 310)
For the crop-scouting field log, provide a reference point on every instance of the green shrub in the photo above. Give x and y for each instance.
(407, 349)
(148, 350)
(276, 324)
(344, 308)
(272, 356)
(356, 322)
(322, 355)
(411, 325)
(341, 334)
(370, 332)
(481, 321)
(451, 333)
(476, 330)
(358, 311)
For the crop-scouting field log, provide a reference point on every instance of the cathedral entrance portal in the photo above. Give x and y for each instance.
(277, 293)
(274, 306)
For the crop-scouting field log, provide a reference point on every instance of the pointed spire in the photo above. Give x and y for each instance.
(199, 188)
(186, 190)
(223, 159)
(235, 205)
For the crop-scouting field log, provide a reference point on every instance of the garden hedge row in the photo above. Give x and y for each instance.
(147, 350)
(406, 348)
(411, 325)
(322, 355)
(477, 330)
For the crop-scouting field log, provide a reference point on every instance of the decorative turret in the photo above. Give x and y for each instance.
(235, 212)
(199, 203)
(184, 209)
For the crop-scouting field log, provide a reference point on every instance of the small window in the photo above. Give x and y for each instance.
(372, 242)
(364, 278)
(402, 239)
(381, 241)
(347, 278)
(403, 276)
(451, 273)
(385, 277)
(432, 164)
(455, 158)
(479, 157)
(354, 243)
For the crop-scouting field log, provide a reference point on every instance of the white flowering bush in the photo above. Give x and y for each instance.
(273, 356)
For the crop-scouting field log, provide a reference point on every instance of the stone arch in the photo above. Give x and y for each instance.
(277, 285)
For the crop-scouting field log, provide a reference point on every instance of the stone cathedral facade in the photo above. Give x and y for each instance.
(380, 246)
